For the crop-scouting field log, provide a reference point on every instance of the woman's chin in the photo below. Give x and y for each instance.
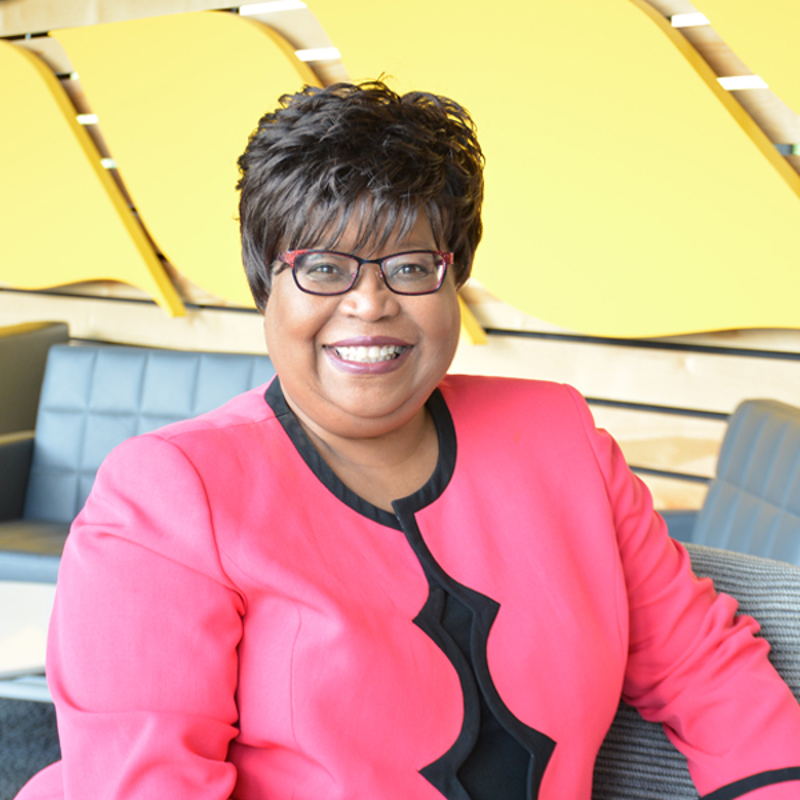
(361, 414)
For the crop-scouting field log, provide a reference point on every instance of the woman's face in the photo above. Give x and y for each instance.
(317, 344)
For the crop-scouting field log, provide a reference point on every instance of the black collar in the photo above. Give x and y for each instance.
(424, 496)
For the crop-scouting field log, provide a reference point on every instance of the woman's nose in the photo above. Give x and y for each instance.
(370, 297)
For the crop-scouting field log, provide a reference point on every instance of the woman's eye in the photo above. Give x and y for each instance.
(410, 269)
(322, 269)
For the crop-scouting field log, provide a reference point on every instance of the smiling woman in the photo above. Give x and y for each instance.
(374, 327)
(362, 364)
(358, 367)
(371, 579)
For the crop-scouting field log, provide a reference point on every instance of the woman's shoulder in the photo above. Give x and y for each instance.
(512, 405)
(499, 391)
(244, 410)
(205, 441)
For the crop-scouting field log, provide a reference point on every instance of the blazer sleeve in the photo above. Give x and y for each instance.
(142, 658)
(693, 664)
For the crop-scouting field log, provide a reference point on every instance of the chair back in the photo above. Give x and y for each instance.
(753, 503)
(94, 397)
(637, 761)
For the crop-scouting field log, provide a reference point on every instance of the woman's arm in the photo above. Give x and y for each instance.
(693, 664)
(142, 658)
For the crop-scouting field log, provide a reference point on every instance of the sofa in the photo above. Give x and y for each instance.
(92, 398)
(753, 502)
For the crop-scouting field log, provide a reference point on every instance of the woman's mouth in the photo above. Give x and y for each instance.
(370, 355)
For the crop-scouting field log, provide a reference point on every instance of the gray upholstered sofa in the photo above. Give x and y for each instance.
(94, 397)
(753, 503)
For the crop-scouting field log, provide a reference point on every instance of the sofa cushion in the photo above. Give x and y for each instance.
(95, 397)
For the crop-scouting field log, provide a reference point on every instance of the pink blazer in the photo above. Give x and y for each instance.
(232, 622)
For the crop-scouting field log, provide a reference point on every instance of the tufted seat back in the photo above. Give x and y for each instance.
(753, 503)
(95, 397)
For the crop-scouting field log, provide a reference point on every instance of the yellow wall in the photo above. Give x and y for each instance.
(627, 193)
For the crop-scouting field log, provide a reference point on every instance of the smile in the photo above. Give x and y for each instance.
(370, 355)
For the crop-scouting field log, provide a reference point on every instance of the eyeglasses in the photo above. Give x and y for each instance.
(325, 272)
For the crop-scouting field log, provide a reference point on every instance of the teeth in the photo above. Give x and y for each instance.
(369, 355)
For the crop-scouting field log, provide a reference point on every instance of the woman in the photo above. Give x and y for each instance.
(372, 580)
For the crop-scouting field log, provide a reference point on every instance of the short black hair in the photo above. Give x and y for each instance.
(358, 151)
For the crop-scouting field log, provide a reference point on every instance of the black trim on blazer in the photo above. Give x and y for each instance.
(316, 463)
(454, 617)
(434, 487)
(444, 772)
(757, 781)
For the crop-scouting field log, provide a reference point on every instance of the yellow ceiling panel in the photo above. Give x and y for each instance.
(177, 97)
(764, 35)
(623, 197)
(63, 219)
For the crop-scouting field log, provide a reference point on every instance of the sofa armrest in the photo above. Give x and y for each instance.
(16, 454)
(680, 524)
